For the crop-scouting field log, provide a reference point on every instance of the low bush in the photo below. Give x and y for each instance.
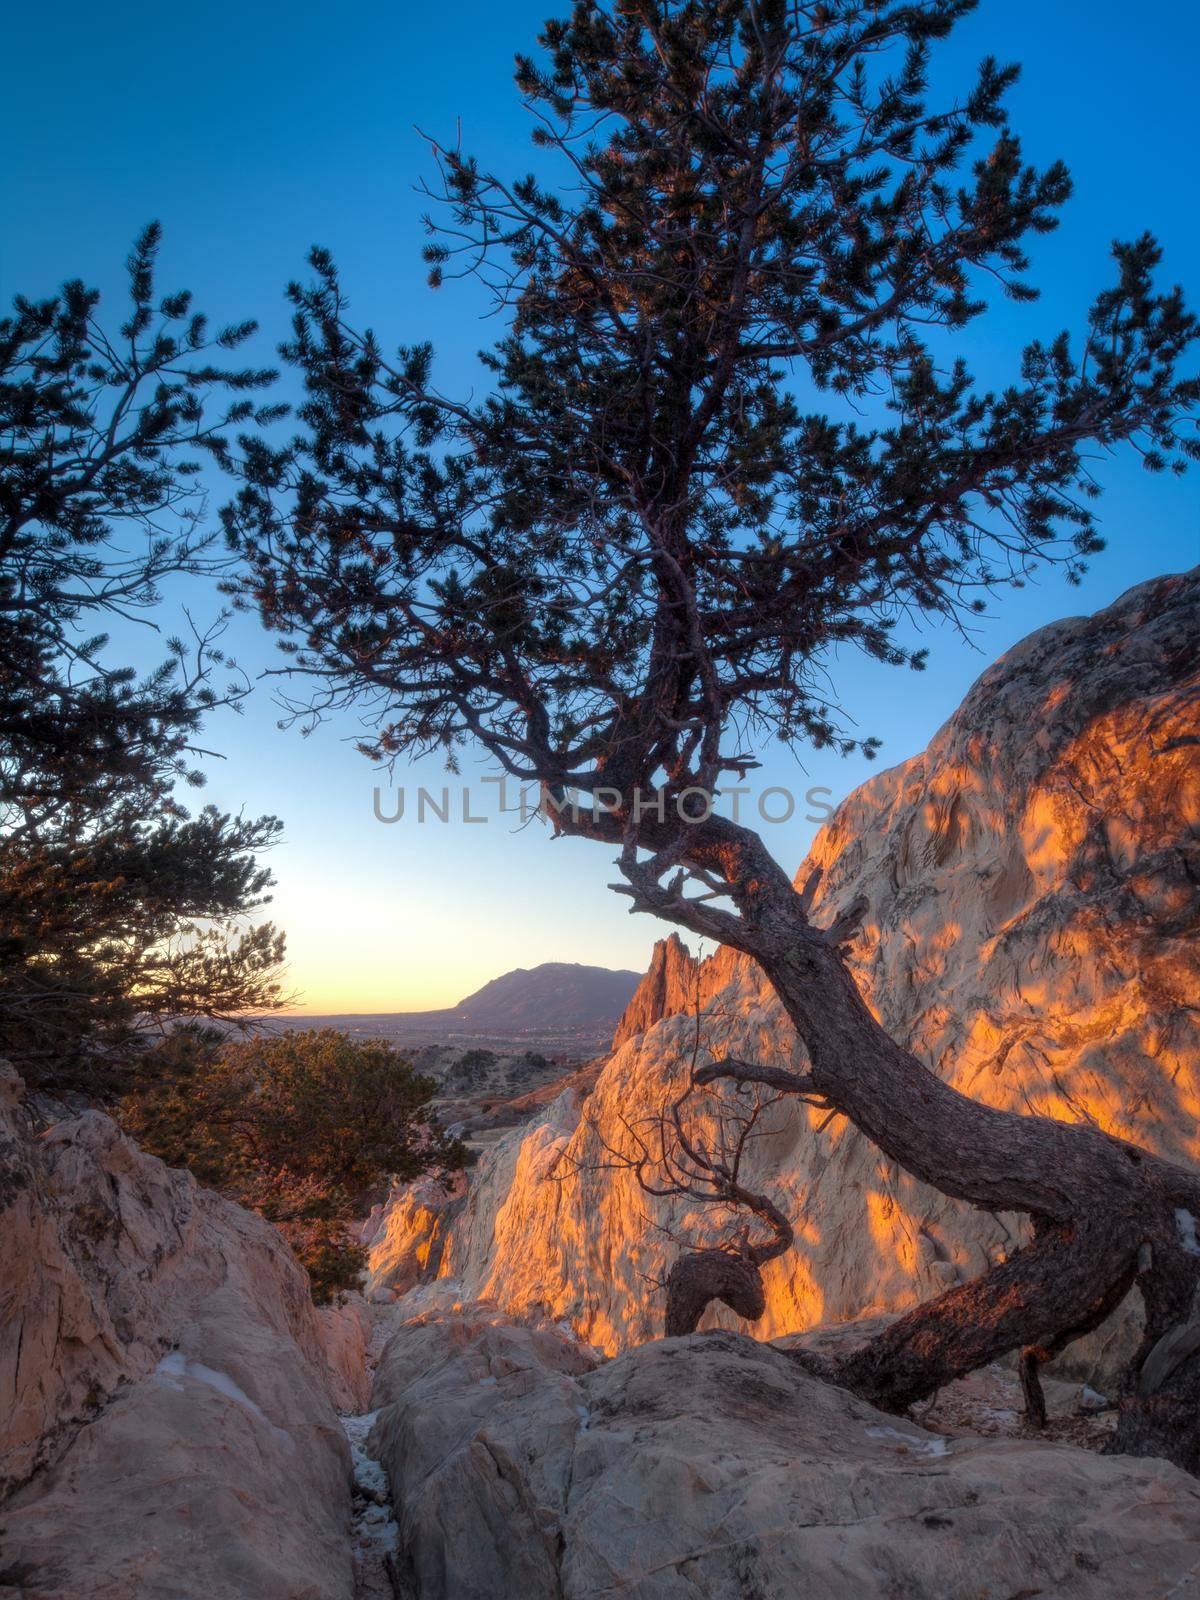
(305, 1127)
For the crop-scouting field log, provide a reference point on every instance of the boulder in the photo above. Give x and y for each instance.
(166, 1422)
(477, 1520)
(345, 1330)
(716, 1468)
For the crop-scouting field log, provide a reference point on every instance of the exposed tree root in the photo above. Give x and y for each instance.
(701, 1276)
(1027, 1301)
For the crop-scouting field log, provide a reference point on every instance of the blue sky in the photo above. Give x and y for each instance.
(254, 132)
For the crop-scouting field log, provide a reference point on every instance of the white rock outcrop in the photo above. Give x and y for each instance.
(166, 1421)
(715, 1468)
(1033, 883)
(407, 1235)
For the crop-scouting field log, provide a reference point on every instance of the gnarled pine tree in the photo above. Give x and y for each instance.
(625, 563)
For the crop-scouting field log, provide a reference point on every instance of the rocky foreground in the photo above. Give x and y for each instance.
(716, 1468)
(170, 1430)
(178, 1423)
(168, 1395)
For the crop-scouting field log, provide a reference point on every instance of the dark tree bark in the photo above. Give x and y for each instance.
(702, 1276)
(1106, 1214)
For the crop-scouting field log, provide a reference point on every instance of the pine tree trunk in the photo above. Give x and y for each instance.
(1106, 1214)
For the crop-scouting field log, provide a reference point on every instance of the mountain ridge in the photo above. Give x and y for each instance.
(564, 992)
(557, 1004)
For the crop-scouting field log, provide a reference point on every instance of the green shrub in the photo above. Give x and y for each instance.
(305, 1127)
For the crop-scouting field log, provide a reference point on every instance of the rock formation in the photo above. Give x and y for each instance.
(407, 1235)
(345, 1330)
(668, 987)
(1033, 891)
(676, 981)
(716, 1468)
(167, 1426)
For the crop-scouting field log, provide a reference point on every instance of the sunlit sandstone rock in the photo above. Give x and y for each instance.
(166, 1421)
(672, 983)
(1033, 882)
(407, 1235)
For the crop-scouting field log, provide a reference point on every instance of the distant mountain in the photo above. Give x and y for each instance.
(558, 994)
(560, 1007)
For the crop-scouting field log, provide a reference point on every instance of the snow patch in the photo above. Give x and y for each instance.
(176, 1366)
(374, 1533)
(933, 1446)
(369, 1477)
(1186, 1224)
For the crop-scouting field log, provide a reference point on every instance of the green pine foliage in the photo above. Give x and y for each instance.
(730, 431)
(116, 906)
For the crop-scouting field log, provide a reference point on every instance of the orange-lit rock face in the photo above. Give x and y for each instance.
(674, 982)
(408, 1236)
(1034, 889)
